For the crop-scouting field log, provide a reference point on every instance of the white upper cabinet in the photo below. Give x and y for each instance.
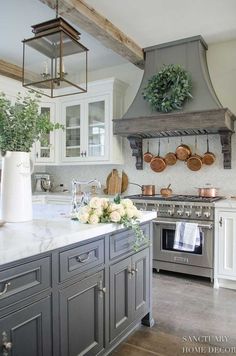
(88, 136)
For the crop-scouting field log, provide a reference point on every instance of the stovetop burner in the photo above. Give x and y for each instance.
(187, 198)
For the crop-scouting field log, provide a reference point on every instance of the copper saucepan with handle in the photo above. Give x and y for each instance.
(158, 163)
(183, 152)
(147, 189)
(170, 157)
(194, 162)
(208, 157)
(147, 157)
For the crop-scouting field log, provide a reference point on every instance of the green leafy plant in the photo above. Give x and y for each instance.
(21, 123)
(120, 211)
(168, 89)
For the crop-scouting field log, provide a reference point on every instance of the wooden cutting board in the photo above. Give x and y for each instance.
(124, 183)
(114, 183)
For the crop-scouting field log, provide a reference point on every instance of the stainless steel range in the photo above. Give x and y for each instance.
(181, 208)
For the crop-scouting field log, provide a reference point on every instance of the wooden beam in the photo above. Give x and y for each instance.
(10, 70)
(92, 22)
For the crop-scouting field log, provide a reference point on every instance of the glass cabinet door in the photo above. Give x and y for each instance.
(96, 129)
(72, 131)
(44, 148)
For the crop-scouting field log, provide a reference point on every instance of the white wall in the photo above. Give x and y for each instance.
(222, 67)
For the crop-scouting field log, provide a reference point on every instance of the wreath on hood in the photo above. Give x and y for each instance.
(168, 89)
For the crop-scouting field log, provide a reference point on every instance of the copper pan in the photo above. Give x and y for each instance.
(194, 162)
(158, 163)
(183, 152)
(207, 192)
(147, 157)
(170, 157)
(208, 157)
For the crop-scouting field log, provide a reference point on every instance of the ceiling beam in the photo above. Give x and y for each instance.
(92, 22)
(10, 70)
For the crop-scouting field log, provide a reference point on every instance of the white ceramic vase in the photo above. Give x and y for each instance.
(16, 193)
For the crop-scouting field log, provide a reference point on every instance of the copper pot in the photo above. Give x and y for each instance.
(147, 189)
(183, 152)
(166, 192)
(147, 157)
(158, 163)
(208, 157)
(207, 192)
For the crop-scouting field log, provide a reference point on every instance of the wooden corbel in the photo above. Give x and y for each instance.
(225, 139)
(136, 144)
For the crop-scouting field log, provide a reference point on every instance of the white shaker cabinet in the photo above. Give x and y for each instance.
(88, 135)
(225, 248)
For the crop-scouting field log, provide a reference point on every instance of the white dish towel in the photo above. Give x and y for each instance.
(187, 236)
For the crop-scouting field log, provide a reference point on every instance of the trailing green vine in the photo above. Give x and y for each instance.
(168, 89)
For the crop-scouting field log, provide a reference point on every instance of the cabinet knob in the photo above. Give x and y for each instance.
(5, 288)
(103, 289)
(6, 345)
(131, 271)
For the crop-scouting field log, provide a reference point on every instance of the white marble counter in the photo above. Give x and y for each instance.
(50, 229)
(229, 203)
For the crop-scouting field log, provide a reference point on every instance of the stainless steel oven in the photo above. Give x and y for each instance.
(197, 262)
(184, 208)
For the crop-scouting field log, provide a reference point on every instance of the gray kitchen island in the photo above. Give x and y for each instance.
(70, 289)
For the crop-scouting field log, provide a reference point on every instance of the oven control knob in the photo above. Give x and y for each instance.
(207, 214)
(170, 212)
(198, 213)
(179, 212)
(188, 213)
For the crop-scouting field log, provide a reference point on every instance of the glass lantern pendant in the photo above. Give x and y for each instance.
(54, 61)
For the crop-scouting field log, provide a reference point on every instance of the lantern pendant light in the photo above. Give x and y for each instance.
(54, 61)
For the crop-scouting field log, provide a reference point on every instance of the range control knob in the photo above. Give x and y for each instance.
(188, 213)
(170, 212)
(179, 212)
(198, 213)
(207, 214)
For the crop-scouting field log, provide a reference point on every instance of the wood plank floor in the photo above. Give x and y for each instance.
(191, 318)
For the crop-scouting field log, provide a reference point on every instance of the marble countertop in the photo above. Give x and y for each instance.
(229, 203)
(50, 229)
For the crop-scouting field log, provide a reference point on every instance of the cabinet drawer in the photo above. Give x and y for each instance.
(80, 259)
(122, 243)
(24, 280)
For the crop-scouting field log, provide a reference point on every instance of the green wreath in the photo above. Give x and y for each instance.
(168, 89)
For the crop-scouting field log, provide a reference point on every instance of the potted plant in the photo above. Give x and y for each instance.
(21, 124)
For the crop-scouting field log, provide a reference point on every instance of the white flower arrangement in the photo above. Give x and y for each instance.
(120, 211)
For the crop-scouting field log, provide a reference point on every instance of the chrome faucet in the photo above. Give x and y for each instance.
(84, 196)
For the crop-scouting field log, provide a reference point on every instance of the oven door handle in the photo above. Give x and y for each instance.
(203, 226)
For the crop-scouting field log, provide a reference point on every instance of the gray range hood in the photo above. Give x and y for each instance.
(201, 115)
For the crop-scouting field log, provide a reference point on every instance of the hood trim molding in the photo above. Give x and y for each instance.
(215, 121)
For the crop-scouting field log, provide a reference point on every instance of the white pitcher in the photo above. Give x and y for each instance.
(16, 193)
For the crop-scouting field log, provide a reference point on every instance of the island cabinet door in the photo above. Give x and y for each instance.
(141, 280)
(120, 297)
(27, 332)
(82, 317)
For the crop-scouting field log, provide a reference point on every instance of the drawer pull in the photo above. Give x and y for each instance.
(83, 260)
(5, 288)
(131, 271)
(6, 345)
(103, 289)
